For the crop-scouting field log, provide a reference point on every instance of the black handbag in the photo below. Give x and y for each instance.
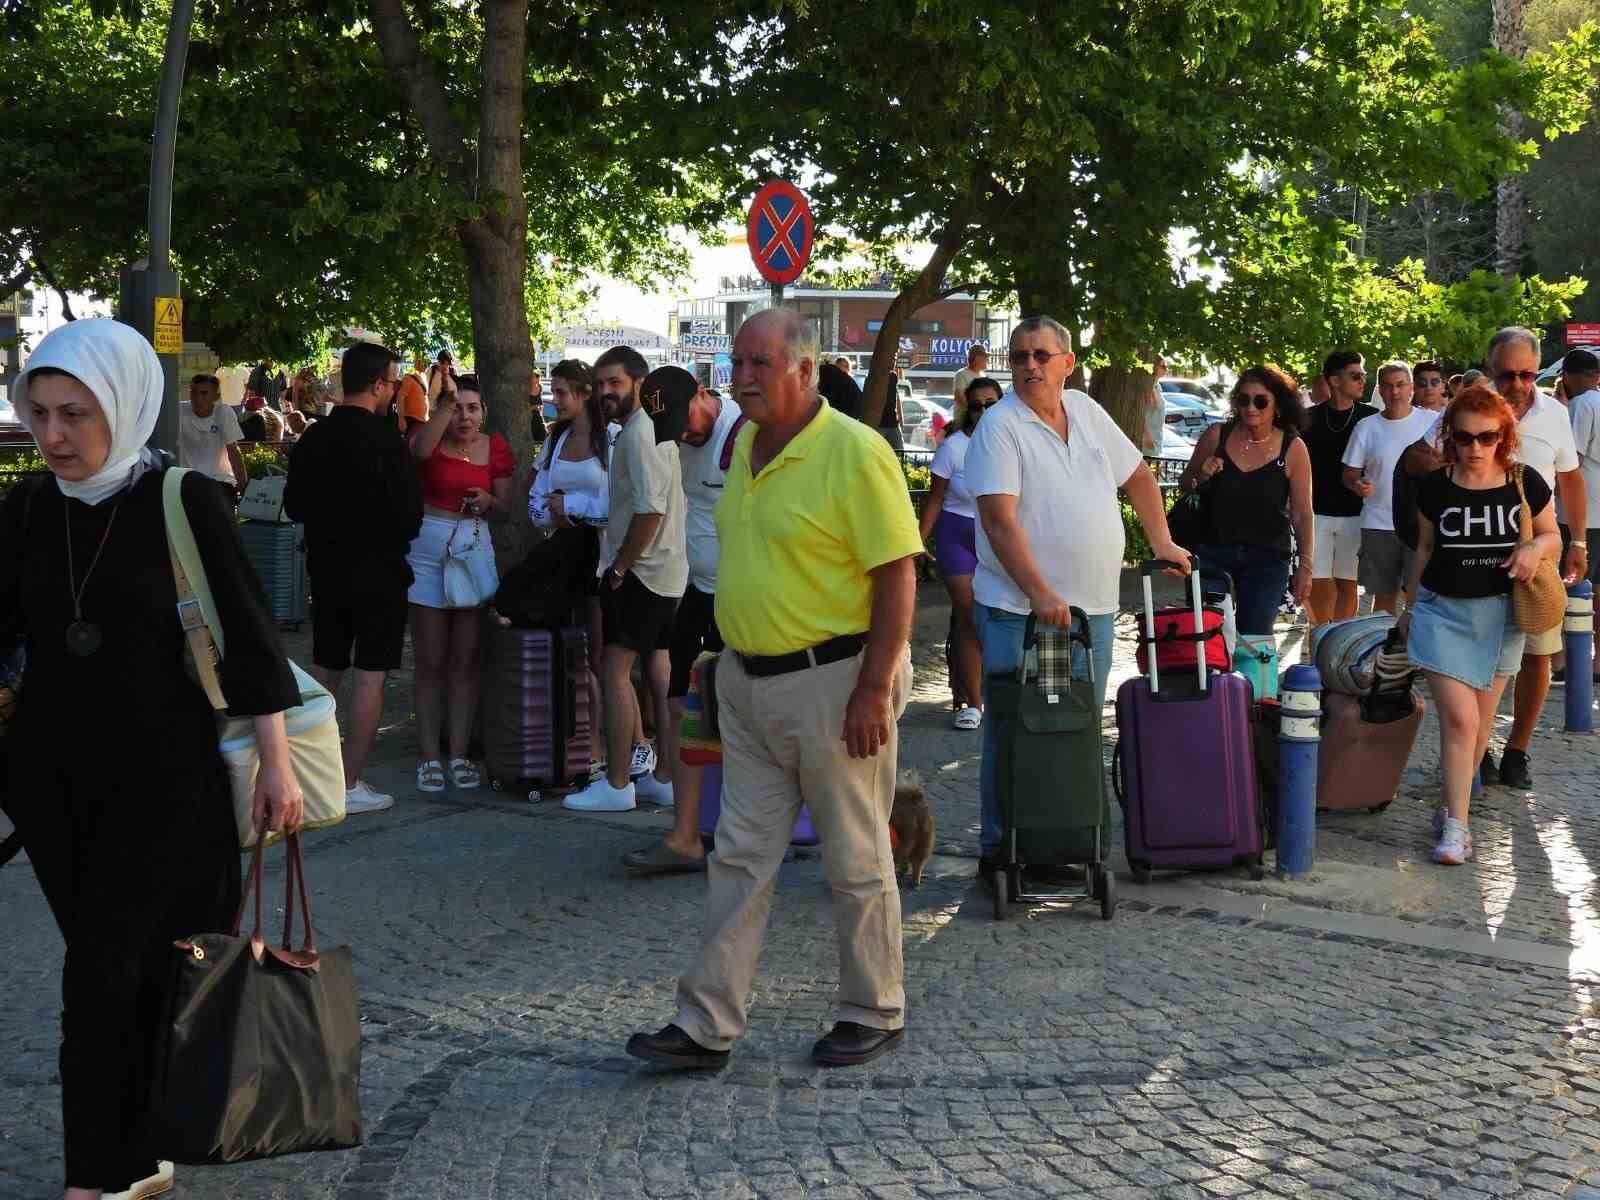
(546, 588)
(260, 1051)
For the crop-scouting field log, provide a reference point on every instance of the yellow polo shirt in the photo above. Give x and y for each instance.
(798, 540)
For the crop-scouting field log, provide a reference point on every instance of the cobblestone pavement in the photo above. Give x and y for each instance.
(1182, 1050)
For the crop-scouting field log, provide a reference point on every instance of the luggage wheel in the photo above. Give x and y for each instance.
(1141, 874)
(496, 785)
(1104, 884)
(1258, 872)
(1001, 895)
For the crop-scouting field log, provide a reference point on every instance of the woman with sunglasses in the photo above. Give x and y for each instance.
(1462, 631)
(1257, 479)
(950, 513)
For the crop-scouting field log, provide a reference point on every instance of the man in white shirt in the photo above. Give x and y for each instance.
(1581, 370)
(1045, 465)
(1369, 461)
(704, 425)
(1546, 445)
(644, 569)
(977, 367)
(208, 437)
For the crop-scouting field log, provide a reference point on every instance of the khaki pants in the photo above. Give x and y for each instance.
(782, 746)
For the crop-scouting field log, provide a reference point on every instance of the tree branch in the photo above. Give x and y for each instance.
(49, 277)
(9, 287)
(413, 70)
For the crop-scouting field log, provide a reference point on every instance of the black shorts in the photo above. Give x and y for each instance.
(632, 615)
(364, 609)
(694, 631)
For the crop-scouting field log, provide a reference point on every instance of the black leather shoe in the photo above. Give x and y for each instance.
(1514, 769)
(850, 1044)
(672, 1047)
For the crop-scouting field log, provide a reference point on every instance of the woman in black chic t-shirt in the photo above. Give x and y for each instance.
(1462, 630)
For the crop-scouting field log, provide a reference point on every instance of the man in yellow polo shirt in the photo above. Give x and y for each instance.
(815, 595)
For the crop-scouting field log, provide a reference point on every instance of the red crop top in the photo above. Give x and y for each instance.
(446, 480)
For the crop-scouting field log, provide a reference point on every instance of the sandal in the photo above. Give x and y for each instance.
(969, 718)
(430, 776)
(464, 775)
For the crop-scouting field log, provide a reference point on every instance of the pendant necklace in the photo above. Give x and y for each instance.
(84, 637)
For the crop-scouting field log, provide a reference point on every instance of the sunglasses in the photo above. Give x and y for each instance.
(1504, 377)
(1259, 399)
(1019, 358)
(1464, 439)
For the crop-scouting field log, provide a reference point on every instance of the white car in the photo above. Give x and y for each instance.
(916, 419)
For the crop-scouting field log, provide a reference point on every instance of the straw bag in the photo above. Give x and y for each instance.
(311, 725)
(1540, 603)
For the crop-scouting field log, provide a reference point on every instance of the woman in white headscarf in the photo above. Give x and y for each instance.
(116, 787)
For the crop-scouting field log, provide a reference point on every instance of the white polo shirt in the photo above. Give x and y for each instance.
(1066, 499)
(1545, 432)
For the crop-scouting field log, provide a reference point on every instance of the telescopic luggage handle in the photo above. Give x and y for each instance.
(1146, 570)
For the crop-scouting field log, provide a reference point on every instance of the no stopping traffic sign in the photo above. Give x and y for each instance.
(780, 232)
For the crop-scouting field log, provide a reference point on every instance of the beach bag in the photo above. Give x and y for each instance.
(311, 725)
(1540, 603)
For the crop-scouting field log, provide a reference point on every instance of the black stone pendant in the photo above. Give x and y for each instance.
(83, 638)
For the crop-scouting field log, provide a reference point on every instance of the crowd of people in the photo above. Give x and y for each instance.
(767, 532)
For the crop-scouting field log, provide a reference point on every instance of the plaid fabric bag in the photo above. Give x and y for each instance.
(1050, 660)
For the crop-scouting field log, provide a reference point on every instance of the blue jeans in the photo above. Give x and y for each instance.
(1259, 579)
(1001, 634)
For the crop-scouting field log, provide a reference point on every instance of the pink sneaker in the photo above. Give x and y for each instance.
(1455, 846)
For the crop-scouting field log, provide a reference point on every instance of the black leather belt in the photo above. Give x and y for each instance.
(831, 651)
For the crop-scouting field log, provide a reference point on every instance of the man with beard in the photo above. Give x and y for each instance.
(643, 572)
(704, 426)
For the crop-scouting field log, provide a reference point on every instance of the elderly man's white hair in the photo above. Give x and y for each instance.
(1505, 337)
(1037, 324)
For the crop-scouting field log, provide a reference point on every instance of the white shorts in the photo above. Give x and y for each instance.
(426, 556)
(1336, 546)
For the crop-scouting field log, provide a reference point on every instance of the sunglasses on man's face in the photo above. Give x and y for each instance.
(1464, 438)
(1502, 378)
(1019, 358)
(1259, 399)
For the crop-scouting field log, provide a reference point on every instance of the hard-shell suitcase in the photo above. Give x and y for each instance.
(805, 834)
(1360, 761)
(535, 707)
(1050, 770)
(1256, 658)
(277, 551)
(1185, 767)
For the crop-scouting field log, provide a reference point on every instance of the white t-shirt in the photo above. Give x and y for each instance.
(703, 478)
(949, 463)
(1546, 436)
(1584, 410)
(203, 441)
(1376, 446)
(1066, 499)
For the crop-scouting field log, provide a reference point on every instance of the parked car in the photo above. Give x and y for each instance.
(1190, 387)
(916, 419)
(1188, 416)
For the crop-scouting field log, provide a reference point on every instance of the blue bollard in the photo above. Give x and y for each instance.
(1299, 731)
(1578, 635)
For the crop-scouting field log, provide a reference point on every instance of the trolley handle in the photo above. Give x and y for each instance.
(1146, 570)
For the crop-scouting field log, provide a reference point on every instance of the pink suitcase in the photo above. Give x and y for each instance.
(1360, 762)
(1184, 767)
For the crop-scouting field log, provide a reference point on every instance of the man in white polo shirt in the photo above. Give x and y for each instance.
(1547, 447)
(1045, 465)
(1369, 461)
(208, 437)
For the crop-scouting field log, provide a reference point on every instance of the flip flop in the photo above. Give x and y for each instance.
(658, 858)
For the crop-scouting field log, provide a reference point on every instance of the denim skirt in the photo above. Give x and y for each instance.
(1470, 639)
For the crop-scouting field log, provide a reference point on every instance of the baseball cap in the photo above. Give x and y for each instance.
(665, 396)
(1580, 362)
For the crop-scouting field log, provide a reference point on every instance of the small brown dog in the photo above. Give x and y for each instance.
(910, 828)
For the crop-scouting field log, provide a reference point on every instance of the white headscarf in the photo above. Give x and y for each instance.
(114, 362)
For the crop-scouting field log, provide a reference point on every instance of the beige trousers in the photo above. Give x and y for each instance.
(783, 746)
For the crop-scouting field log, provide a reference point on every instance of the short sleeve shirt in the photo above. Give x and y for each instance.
(1545, 434)
(645, 479)
(203, 441)
(1474, 532)
(1584, 410)
(1375, 448)
(949, 464)
(1066, 499)
(413, 404)
(800, 539)
(703, 484)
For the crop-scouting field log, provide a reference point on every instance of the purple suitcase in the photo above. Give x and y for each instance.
(711, 808)
(535, 707)
(1184, 766)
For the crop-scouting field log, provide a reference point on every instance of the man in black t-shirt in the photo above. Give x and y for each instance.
(1336, 509)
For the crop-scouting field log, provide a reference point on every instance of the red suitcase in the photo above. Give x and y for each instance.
(535, 708)
(1359, 761)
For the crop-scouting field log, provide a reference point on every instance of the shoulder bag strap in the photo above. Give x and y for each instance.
(1525, 513)
(196, 611)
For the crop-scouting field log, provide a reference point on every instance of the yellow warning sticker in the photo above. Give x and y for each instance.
(168, 325)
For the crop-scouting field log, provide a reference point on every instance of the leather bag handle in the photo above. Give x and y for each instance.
(294, 880)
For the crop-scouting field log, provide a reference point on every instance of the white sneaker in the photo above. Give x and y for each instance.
(644, 760)
(158, 1184)
(648, 787)
(600, 796)
(362, 799)
(1455, 847)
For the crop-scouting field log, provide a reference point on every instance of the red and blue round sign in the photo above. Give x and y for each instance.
(780, 232)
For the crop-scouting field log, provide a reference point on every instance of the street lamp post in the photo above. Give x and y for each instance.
(150, 293)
